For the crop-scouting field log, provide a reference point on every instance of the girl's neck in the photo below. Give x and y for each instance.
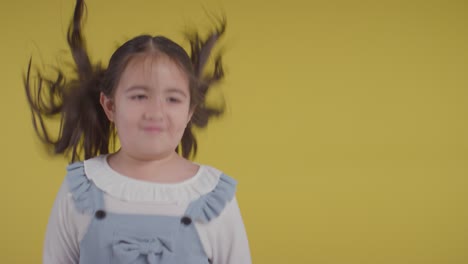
(170, 168)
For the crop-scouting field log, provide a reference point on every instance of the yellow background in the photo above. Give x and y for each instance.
(347, 122)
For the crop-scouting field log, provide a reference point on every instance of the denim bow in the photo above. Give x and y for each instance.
(154, 250)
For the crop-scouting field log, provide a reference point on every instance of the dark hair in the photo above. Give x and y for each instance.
(84, 126)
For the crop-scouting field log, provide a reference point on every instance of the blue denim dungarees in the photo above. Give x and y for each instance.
(151, 239)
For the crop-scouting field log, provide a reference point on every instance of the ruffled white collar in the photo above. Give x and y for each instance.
(125, 188)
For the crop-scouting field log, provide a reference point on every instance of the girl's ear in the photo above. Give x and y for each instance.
(108, 106)
(190, 115)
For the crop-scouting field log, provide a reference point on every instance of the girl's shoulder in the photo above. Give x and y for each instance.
(96, 171)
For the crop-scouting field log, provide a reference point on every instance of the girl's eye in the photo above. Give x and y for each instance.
(138, 97)
(173, 100)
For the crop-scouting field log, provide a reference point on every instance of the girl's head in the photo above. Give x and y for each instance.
(148, 98)
(152, 93)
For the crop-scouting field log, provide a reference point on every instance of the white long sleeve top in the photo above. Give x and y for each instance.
(224, 238)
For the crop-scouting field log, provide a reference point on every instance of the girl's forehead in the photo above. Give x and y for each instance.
(151, 67)
(147, 61)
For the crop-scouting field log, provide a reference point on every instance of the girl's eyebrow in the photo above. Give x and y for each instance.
(145, 88)
(176, 90)
(136, 87)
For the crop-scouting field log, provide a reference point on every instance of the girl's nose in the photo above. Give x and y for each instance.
(154, 109)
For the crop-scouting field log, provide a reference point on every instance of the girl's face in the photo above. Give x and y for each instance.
(151, 107)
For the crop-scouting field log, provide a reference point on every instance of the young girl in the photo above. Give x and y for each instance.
(144, 203)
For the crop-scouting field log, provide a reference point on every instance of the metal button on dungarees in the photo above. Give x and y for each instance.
(100, 214)
(186, 220)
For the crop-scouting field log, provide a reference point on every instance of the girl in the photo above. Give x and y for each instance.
(145, 203)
